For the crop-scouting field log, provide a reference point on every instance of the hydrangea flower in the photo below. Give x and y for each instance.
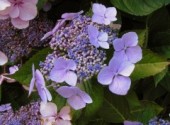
(98, 38)
(50, 115)
(3, 58)
(39, 81)
(132, 123)
(103, 15)
(4, 4)
(127, 47)
(116, 76)
(75, 97)
(20, 12)
(63, 70)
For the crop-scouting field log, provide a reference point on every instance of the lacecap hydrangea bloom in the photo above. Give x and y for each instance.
(20, 12)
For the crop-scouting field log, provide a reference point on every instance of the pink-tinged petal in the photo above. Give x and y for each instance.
(134, 54)
(105, 76)
(39, 78)
(57, 75)
(6, 11)
(71, 78)
(120, 85)
(28, 11)
(118, 44)
(20, 24)
(65, 113)
(3, 58)
(106, 21)
(103, 37)
(126, 68)
(76, 102)
(98, 19)
(62, 122)
(71, 65)
(14, 13)
(13, 69)
(111, 14)
(66, 91)
(130, 39)
(132, 123)
(4, 4)
(86, 98)
(104, 45)
(48, 109)
(48, 94)
(3, 17)
(98, 9)
(93, 34)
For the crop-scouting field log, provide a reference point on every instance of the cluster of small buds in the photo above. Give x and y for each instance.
(73, 39)
(158, 121)
(18, 43)
(26, 115)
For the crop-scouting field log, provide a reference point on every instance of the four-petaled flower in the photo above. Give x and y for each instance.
(63, 70)
(20, 12)
(103, 15)
(39, 81)
(116, 76)
(98, 38)
(75, 97)
(127, 48)
(51, 117)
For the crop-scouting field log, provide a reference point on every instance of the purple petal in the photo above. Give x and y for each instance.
(120, 55)
(76, 102)
(130, 39)
(60, 64)
(32, 80)
(93, 34)
(42, 93)
(4, 4)
(71, 65)
(65, 113)
(132, 123)
(3, 58)
(118, 44)
(126, 68)
(103, 37)
(48, 94)
(98, 9)
(105, 76)
(14, 12)
(106, 21)
(70, 16)
(39, 78)
(86, 98)
(20, 24)
(114, 64)
(120, 85)
(66, 91)
(98, 19)
(104, 45)
(71, 78)
(111, 14)
(57, 75)
(13, 69)
(134, 54)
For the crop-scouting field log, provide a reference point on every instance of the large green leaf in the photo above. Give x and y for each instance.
(150, 65)
(158, 77)
(139, 7)
(24, 74)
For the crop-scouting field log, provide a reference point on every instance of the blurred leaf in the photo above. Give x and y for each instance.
(165, 82)
(24, 74)
(139, 7)
(148, 110)
(150, 65)
(142, 34)
(41, 3)
(158, 77)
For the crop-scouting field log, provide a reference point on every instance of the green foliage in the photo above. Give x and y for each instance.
(158, 77)
(139, 7)
(41, 3)
(24, 74)
(150, 65)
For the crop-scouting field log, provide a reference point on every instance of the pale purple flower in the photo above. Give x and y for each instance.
(116, 76)
(39, 81)
(76, 98)
(3, 58)
(13, 69)
(20, 12)
(71, 16)
(103, 15)
(132, 123)
(98, 38)
(127, 47)
(63, 71)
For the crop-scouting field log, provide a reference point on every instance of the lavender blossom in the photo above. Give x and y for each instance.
(132, 123)
(103, 15)
(39, 81)
(116, 76)
(75, 97)
(64, 71)
(98, 38)
(3, 58)
(4, 4)
(127, 47)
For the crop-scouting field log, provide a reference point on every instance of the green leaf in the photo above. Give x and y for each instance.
(139, 7)
(41, 3)
(24, 74)
(150, 65)
(165, 82)
(142, 36)
(147, 111)
(158, 77)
